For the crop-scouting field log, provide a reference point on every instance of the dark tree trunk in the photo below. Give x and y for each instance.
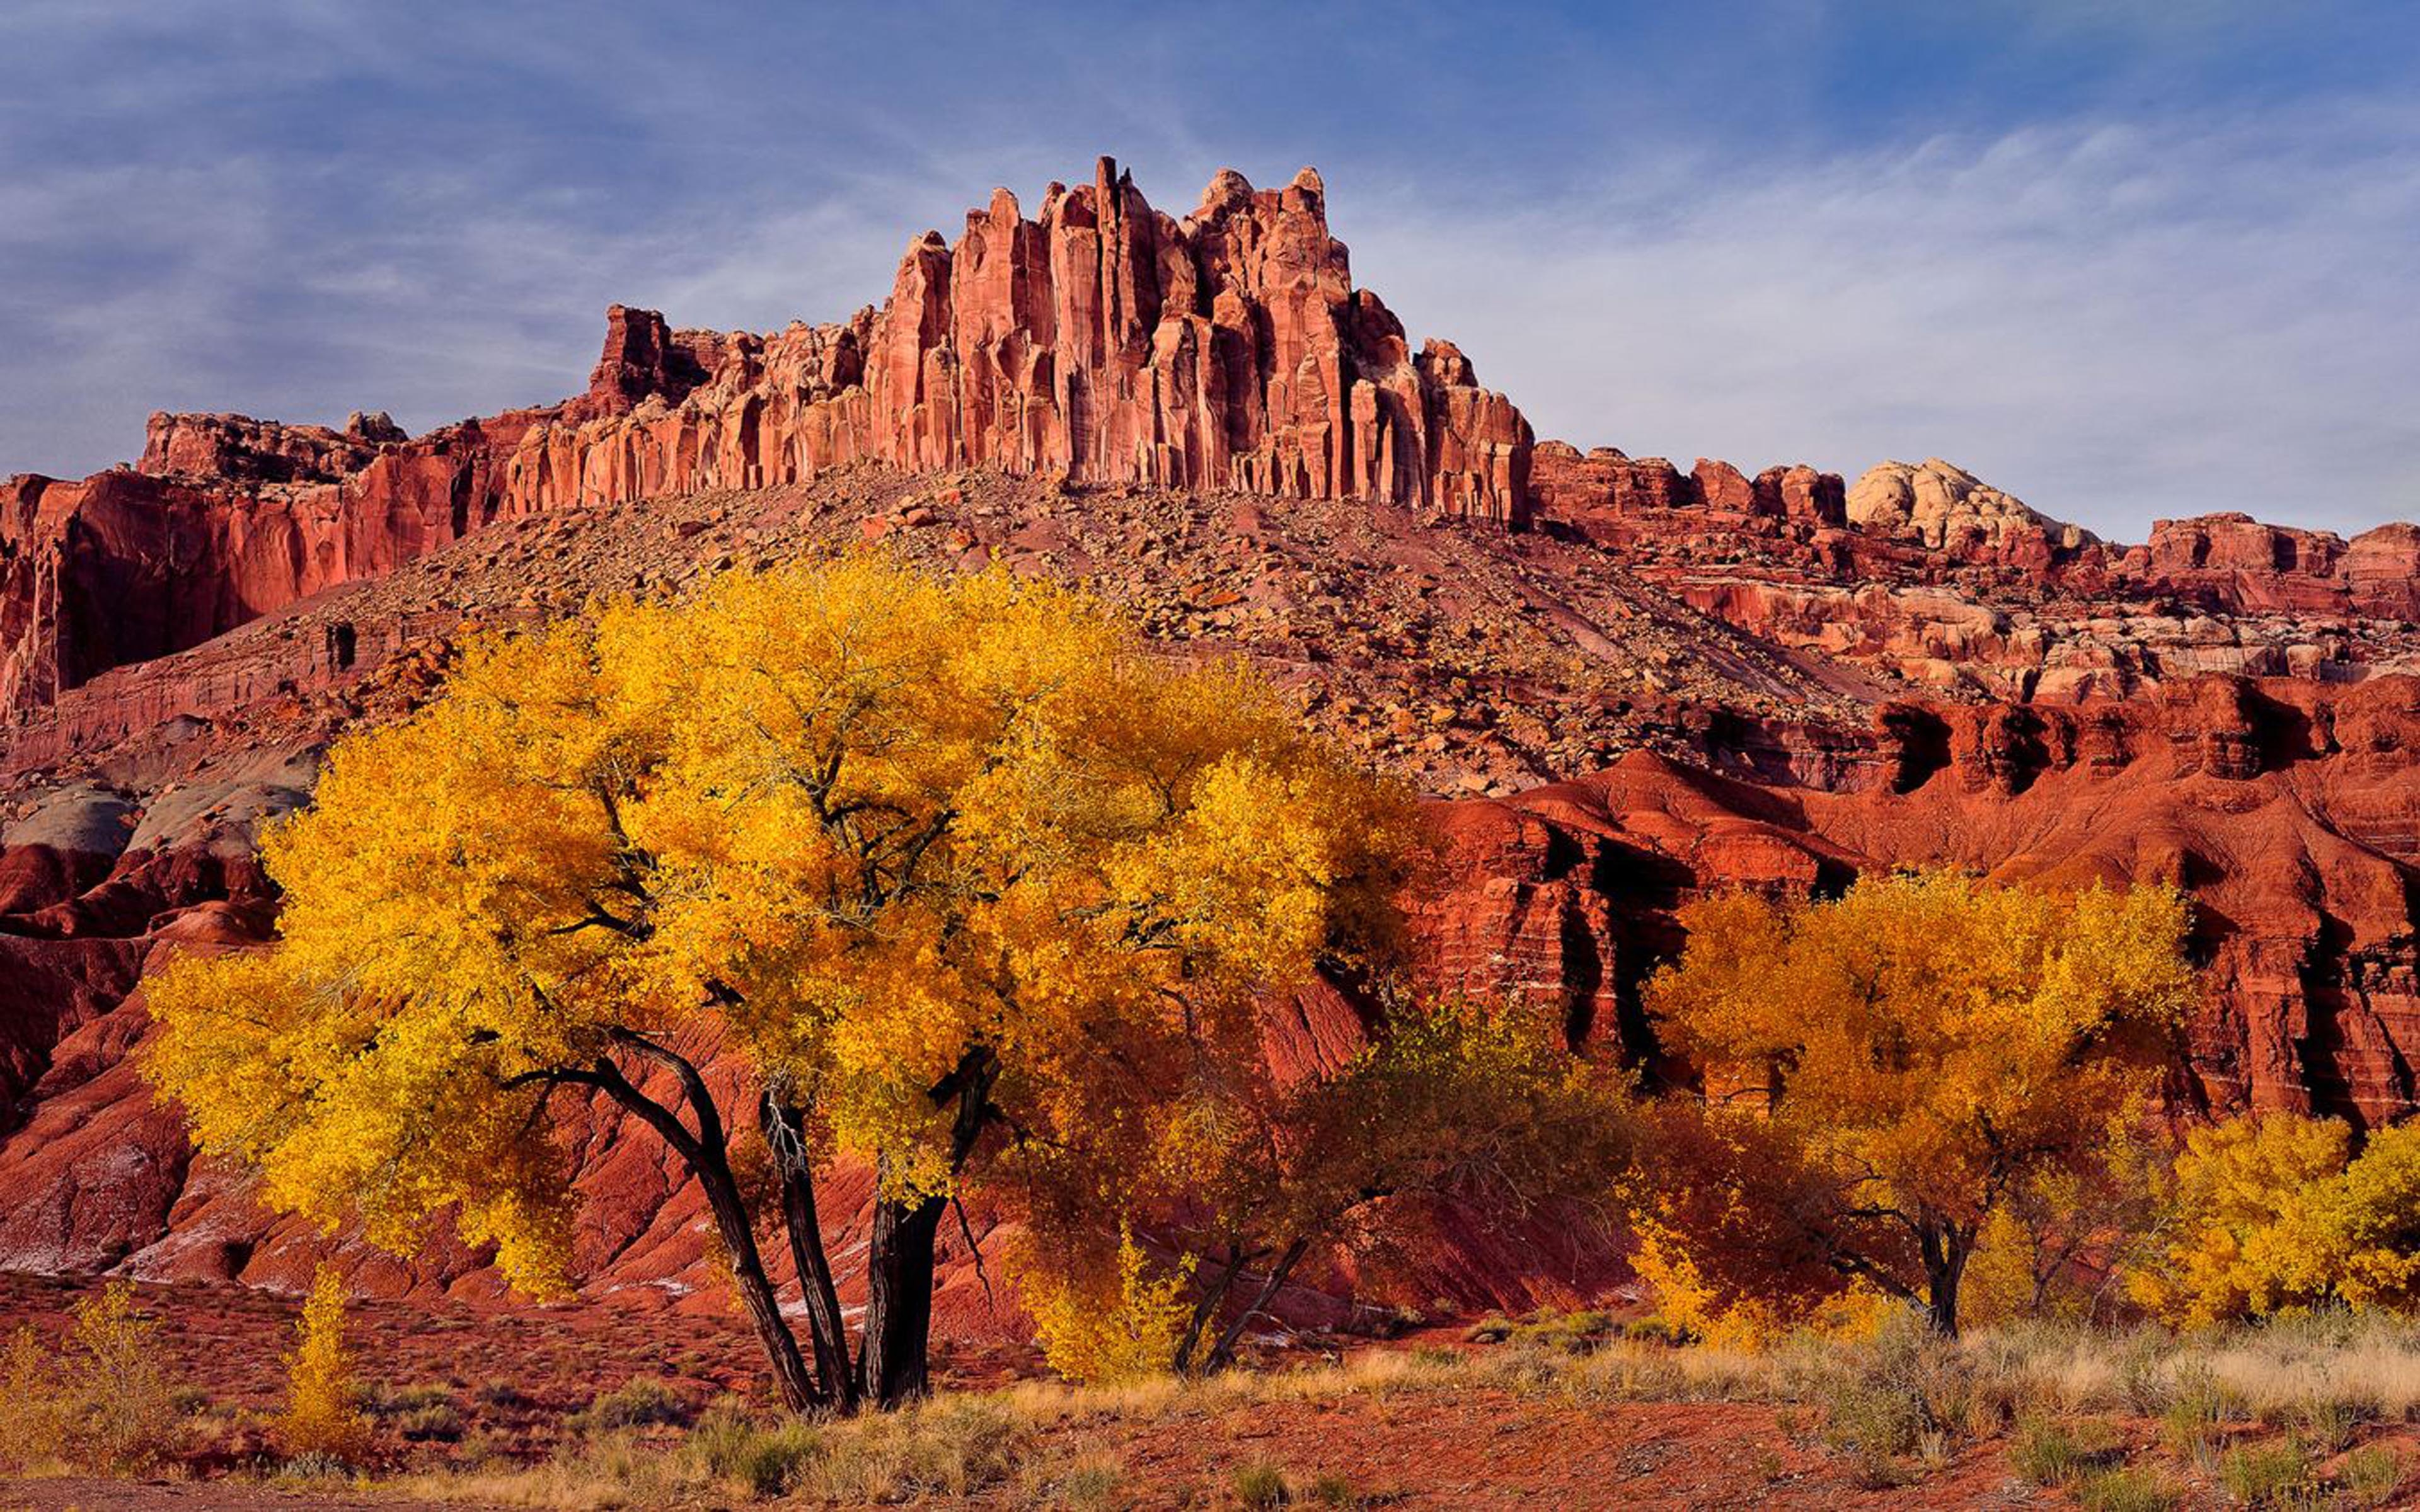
(1222, 1354)
(898, 1301)
(1945, 1248)
(891, 1355)
(799, 1392)
(785, 1134)
(1207, 1307)
(708, 1158)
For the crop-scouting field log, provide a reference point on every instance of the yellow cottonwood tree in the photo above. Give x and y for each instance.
(322, 1414)
(2274, 1212)
(939, 867)
(1883, 1072)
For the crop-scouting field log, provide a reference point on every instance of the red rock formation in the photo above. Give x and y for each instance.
(1104, 343)
(2283, 806)
(2236, 565)
(127, 565)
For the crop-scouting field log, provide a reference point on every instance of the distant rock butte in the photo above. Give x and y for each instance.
(1104, 343)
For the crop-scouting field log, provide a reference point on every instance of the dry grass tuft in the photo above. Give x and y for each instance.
(1898, 1406)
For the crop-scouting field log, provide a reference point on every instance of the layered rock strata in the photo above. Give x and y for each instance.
(1103, 342)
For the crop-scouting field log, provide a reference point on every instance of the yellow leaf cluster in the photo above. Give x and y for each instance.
(2272, 1213)
(1105, 1324)
(322, 1414)
(848, 822)
(1688, 1303)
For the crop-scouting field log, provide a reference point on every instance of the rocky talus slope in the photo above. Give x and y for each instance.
(1622, 684)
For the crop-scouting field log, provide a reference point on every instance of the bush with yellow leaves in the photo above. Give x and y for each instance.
(101, 1401)
(1122, 1324)
(323, 1418)
(2275, 1214)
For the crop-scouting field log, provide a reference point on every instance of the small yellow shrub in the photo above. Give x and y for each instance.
(34, 1416)
(129, 1417)
(1688, 1303)
(102, 1402)
(323, 1414)
(1122, 1325)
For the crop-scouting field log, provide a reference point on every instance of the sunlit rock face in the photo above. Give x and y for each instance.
(1103, 343)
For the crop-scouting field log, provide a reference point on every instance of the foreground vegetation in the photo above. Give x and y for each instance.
(2321, 1411)
(2283, 1416)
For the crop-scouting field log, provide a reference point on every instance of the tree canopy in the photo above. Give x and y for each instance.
(1881, 1073)
(2275, 1213)
(940, 867)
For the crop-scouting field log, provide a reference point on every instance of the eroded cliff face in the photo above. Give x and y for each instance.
(1103, 342)
(2284, 808)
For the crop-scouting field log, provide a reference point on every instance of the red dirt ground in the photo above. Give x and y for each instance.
(516, 1376)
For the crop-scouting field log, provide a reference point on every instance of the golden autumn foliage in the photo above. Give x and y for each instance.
(1885, 1072)
(933, 860)
(1447, 1102)
(323, 1416)
(101, 1399)
(2370, 1225)
(2273, 1214)
(1105, 1323)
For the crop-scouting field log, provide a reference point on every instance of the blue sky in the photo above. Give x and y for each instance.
(2127, 259)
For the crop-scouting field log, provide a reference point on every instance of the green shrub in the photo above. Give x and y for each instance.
(2328, 1422)
(1260, 1485)
(1493, 1328)
(1332, 1489)
(2372, 1476)
(1873, 1419)
(313, 1466)
(1576, 1333)
(437, 1423)
(2193, 1424)
(1091, 1480)
(2126, 1491)
(766, 1459)
(640, 1402)
(1656, 1331)
(2049, 1453)
(503, 1394)
(402, 1401)
(2271, 1475)
(1878, 1473)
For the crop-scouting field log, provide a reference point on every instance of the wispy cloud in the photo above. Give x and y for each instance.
(2116, 321)
(2019, 235)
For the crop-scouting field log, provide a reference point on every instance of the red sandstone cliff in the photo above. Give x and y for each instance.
(1103, 342)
